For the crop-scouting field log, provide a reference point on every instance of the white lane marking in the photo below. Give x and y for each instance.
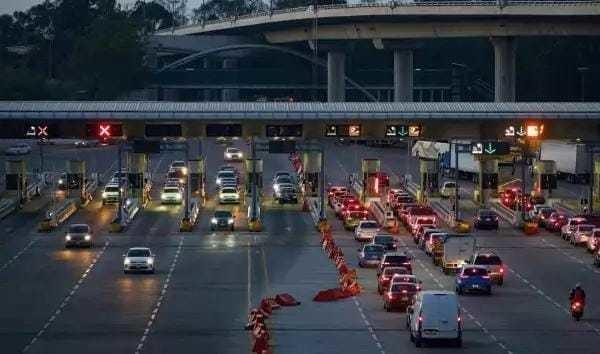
(573, 258)
(154, 313)
(369, 326)
(19, 254)
(249, 277)
(66, 299)
(265, 270)
(463, 309)
(551, 300)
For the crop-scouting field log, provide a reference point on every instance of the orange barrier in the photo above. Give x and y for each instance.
(257, 317)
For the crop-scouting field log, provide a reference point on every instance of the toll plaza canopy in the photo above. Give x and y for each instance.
(562, 120)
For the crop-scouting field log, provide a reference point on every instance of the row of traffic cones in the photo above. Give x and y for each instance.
(347, 277)
(257, 317)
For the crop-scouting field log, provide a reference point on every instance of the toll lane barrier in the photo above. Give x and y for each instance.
(7, 206)
(131, 207)
(257, 317)
(347, 277)
(58, 214)
(187, 224)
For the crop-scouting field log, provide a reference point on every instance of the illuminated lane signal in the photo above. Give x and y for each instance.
(104, 131)
(402, 131)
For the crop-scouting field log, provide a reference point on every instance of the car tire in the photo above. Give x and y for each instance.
(125, 271)
(459, 291)
(489, 292)
(501, 281)
(458, 342)
(232, 228)
(418, 340)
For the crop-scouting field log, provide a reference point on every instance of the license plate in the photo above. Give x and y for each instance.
(475, 286)
(404, 299)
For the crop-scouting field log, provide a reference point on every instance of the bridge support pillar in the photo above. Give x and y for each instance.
(504, 68)
(428, 171)
(76, 172)
(230, 94)
(545, 177)
(312, 170)
(16, 177)
(137, 177)
(488, 180)
(403, 75)
(336, 70)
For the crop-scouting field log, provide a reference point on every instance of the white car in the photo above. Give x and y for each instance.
(139, 259)
(594, 241)
(110, 195)
(581, 234)
(178, 166)
(18, 149)
(448, 190)
(171, 194)
(569, 227)
(431, 240)
(534, 213)
(435, 315)
(222, 175)
(229, 195)
(366, 230)
(233, 154)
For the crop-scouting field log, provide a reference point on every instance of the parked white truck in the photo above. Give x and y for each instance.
(458, 249)
(572, 160)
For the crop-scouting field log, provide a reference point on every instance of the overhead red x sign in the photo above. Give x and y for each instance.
(105, 130)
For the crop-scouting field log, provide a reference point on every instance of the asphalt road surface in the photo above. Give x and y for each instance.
(57, 300)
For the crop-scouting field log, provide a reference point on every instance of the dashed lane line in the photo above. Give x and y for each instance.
(159, 302)
(571, 257)
(369, 326)
(19, 254)
(464, 310)
(552, 301)
(67, 298)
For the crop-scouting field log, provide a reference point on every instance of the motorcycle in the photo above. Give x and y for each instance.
(577, 310)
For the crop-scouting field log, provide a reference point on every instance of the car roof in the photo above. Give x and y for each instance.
(393, 254)
(469, 266)
(76, 225)
(139, 249)
(232, 149)
(112, 185)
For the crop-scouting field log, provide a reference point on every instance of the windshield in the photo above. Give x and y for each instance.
(171, 190)
(578, 221)
(138, 253)
(450, 185)
(178, 164)
(373, 249)
(383, 239)
(396, 259)
(284, 179)
(475, 272)
(356, 215)
(222, 214)
(404, 287)
(226, 174)
(368, 225)
(487, 214)
(229, 190)
(488, 260)
(111, 189)
(395, 270)
(233, 150)
(421, 211)
(78, 229)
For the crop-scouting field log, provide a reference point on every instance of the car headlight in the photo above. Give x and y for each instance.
(240, 155)
(230, 221)
(178, 196)
(150, 261)
(87, 237)
(213, 220)
(61, 181)
(218, 181)
(127, 260)
(68, 237)
(104, 195)
(163, 196)
(228, 155)
(276, 187)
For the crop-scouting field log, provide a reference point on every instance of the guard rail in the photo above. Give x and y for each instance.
(511, 216)
(58, 214)
(7, 206)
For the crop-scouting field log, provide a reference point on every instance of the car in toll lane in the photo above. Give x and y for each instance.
(400, 296)
(233, 154)
(286, 193)
(229, 195)
(406, 278)
(353, 218)
(347, 205)
(402, 211)
(425, 235)
(473, 278)
(593, 241)
(383, 280)
(431, 241)
(581, 234)
(485, 219)
(394, 259)
(567, 230)
(171, 194)
(492, 263)
(556, 221)
(386, 240)
(448, 189)
(535, 211)
(435, 315)
(178, 165)
(544, 215)
(370, 255)
(225, 175)
(78, 235)
(420, 232)
(366, 230)
(222, 220)
(139, 259)
(334, 191)
(110, 194)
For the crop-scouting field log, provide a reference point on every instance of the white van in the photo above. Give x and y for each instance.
(435, 315)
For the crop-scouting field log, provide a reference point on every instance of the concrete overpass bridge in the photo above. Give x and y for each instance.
(398, 26)
(362, 121)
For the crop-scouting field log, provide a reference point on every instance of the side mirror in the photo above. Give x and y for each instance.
(124, 255)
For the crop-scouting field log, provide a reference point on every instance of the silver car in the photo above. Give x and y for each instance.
(139, 259)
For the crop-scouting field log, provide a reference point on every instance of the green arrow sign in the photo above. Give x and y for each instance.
(489, 149)
(403, 131)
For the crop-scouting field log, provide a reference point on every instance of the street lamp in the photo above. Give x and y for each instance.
(48, 34)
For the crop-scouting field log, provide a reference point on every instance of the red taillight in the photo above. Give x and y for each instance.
(501, 270)
(458, 319)
(418, 288)
(420, 319)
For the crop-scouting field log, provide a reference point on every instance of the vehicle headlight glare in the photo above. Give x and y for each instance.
(150, 260)
(127, 260)
(87, 237)
(213, 220)
(230, 221)
(68, 238)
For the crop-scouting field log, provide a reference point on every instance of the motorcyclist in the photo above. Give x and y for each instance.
(577, 295)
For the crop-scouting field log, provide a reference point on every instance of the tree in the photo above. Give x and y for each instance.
(219, 9)
(152, 16)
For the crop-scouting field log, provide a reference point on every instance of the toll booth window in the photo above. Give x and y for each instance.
(284, 131)
(223, 130)
(163, 130)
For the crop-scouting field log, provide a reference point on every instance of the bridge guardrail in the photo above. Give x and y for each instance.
(389, 4)
(58, 214)
(130, 209)
(7, 206)
(313, 205)
(90, 188)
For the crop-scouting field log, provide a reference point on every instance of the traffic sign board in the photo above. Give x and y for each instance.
(490, 148)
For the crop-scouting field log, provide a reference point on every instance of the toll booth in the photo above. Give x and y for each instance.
(312, 168)
(137, 177)
(544, 173)
(254, 177)
(487, 185)
(16, 178)
(371, 174)
(428, 171)
(197, 177)
(76, 171)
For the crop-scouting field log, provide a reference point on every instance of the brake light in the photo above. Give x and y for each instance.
(420, 319)
(418, 288)
(458, 319)
(404, 291)
(501, 270)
